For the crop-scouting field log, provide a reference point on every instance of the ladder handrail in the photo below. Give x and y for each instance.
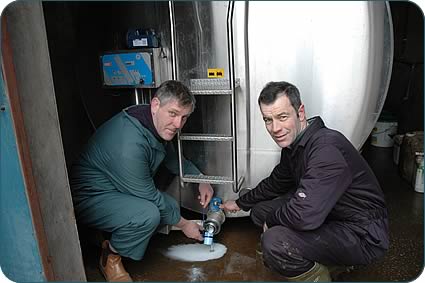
(230, 55)
(174, 77)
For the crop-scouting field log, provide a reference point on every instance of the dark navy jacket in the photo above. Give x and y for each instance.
(330, 181)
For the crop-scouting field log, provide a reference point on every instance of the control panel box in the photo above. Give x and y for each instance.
(138, 38)
(142, 68)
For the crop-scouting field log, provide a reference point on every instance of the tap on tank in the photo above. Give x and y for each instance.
(214, 220)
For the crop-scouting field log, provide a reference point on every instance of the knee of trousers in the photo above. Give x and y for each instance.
(280, 250)
(145, 221)
(132, 238)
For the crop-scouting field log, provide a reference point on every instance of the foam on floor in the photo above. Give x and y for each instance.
(195, 252)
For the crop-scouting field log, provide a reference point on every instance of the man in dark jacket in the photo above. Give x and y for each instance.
(112, 182)
(321, 205)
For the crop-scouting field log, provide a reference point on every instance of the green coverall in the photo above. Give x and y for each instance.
(113, 188)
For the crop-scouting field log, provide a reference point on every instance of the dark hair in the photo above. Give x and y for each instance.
(171, 89)
(274, 90)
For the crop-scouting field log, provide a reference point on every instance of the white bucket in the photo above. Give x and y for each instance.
(382, 134)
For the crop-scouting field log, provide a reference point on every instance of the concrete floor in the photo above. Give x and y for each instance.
(403, 262)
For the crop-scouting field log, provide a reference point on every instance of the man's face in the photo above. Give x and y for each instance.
(169, 118)
(282, 121)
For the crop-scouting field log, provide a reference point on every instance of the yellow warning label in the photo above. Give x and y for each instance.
(215, 73)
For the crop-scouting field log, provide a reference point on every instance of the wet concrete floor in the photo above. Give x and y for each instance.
(403, 262)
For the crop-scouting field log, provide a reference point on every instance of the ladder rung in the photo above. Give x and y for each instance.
(212, 86)
(212, 83)
(211, 92)
(207, 179)
(205, 137)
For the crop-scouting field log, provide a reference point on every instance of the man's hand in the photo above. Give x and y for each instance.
(190, 229)
(205, 194)
(230, 205)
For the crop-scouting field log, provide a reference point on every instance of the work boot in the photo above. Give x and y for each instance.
(259, 249)
(111, 266)
(318, 273)
(259, 254)
(335, 271)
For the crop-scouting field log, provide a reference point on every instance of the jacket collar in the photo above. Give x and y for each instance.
(150, 137)
(314, 124)
(144, 115)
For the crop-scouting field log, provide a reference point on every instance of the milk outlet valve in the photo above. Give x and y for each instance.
(215, 218)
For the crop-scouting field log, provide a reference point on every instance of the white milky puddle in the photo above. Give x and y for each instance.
(195, 252)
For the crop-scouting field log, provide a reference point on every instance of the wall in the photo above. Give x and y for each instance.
(20, 258)
(78, 33)
(44, 157)
(406, 92)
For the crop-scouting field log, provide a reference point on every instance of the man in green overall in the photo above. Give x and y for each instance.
(112, 182)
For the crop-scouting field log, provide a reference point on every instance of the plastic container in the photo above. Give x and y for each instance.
(398, 139)
(382, 134)
(384, 131)
(411, 150)
(419, 178)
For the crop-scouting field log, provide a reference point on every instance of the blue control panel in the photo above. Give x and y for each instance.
(128, 69)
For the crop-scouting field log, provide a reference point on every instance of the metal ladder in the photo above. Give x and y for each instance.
(203, 87)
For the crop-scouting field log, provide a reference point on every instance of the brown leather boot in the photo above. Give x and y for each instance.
(111, 266)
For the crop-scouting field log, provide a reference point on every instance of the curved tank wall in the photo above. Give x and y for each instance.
(339, 54)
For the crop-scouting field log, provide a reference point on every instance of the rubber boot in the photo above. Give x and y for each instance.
(318, 273)
(335, 271)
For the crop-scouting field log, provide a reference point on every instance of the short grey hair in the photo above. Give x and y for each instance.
(172, 89)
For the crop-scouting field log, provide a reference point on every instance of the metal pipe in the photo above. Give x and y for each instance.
(173, 40)
(247, 91)
(179, 149)
(240, 182)
(215, 218)
(136, 96)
